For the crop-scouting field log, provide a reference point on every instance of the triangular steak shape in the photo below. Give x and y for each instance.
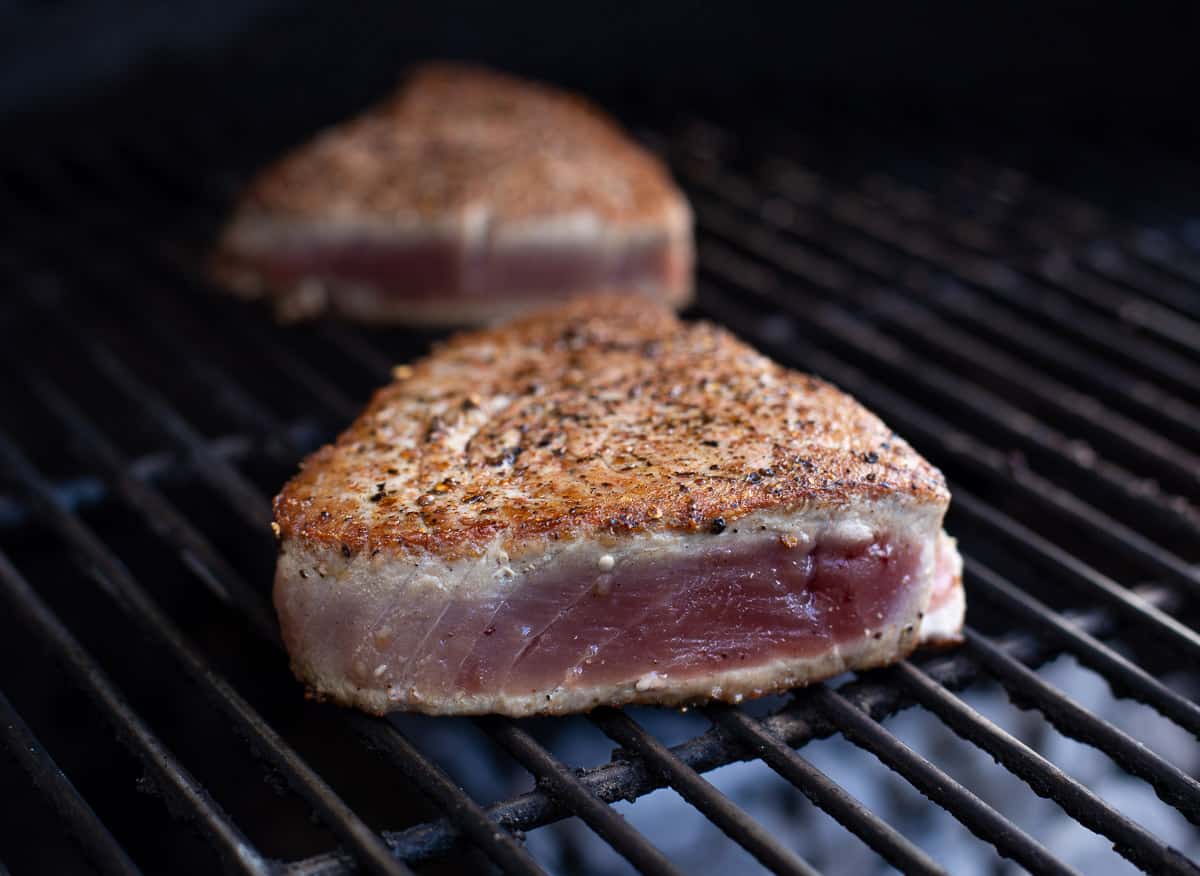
(600, 504)
(465, 196)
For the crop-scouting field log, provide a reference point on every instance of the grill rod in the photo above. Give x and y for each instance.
(908, 238)
(1027, 295)
(1027, 689)
(1131, 839)
(892, 846)
(118, 582)
(765, 238)
(951, 247)
(170, 777)
(97, 842)
(564, 784)
(1123, 675)
(500, 845)
(979, 817)
(700, 793)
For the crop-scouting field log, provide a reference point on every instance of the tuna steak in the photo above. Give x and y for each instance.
(599, 505)
(465, 196)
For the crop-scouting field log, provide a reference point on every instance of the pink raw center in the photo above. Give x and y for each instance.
(738, 608)
(424, 268)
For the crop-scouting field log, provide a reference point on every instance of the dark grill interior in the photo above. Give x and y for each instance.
(1043, 351)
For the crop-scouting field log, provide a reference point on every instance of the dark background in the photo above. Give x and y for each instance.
(1009, 69)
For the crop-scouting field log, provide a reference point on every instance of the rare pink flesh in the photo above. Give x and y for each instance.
(723, 608)
(423, 268)
(737, 608)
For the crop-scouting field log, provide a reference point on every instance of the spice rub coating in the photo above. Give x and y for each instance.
(456, 137)
(607, 415)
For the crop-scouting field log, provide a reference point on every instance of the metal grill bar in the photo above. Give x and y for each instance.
(467, 815)
(1124, 677)
(1111, 258)
(354, 346)
(159, 467)
(182, 791)
(99, 845)
(1025, 294)
(1099, 374)
(320, 388)
(1027, 689)
(217, 472)
(1167, 260)
(1094, 292)
(1131, 839)
(1058, 267)
(980, 818)
(930, 429)
(912, 314)
(739, 826)
(917, 240)
(563, 783)
(1167, 628)
(893, 846)
(1129, 438)
(119, 583)
(100, 271)
(1113, 264)
(163, 518)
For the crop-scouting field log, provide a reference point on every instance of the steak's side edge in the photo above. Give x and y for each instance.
(332, 618)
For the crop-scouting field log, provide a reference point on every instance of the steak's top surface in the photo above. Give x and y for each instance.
(606, 415)
(455, 139)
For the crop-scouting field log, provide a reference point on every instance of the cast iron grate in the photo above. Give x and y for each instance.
(1041, 352)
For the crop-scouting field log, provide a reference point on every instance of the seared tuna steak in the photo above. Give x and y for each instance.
(599, 505)
(465, 196)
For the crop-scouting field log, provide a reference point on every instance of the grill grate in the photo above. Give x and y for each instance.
(1044, 355)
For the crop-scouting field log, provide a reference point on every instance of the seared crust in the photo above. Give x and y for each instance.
(606, 415)
(457, 138)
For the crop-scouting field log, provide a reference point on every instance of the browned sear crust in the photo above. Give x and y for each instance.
(456, 136)
(606, 414)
